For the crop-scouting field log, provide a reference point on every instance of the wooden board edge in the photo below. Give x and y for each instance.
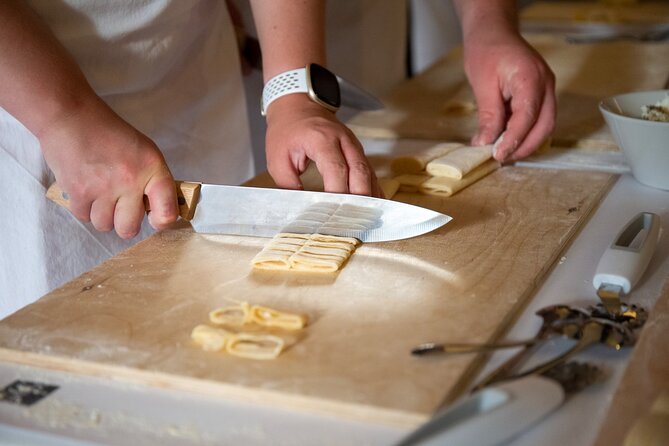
(475, 367)
(392, 418)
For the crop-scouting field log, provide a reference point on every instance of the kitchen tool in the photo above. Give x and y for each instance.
(644, 143)
(631, 317)
(355, 97)
(587, 332)
(495, 414)
(624, 262)
(619, 269)
(549, 314)
(264, 212)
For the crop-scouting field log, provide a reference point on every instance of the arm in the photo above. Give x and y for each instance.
(103, 163)
(514, 88)
(299, 130)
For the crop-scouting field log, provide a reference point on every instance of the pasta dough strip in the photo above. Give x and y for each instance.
(460, 162)
(415, 163)
(444, 186)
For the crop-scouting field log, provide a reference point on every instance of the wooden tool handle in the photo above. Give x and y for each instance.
(188, 194)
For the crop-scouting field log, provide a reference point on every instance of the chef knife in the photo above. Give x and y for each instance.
(356, 97)
(263, 212)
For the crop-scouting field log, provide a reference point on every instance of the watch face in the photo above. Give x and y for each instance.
(324, 86)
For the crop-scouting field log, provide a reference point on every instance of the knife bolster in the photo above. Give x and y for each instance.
(188, 194)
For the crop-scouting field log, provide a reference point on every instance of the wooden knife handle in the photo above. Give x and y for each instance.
(188, 194)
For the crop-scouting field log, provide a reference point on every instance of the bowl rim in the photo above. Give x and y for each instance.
(606, 110)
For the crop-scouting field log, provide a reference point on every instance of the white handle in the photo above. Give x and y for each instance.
(624, 262)
(492, 415)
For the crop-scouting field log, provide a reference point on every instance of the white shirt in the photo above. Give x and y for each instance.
(168, 67)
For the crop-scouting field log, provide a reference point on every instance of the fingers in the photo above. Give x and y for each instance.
(491, 116)
(162, 195)
(532, 104)
(285, 171)
(128, 215)
(338, 156)
(344, 167)
(541, 129)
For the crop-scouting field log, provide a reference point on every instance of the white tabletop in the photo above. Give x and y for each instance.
(87, 410)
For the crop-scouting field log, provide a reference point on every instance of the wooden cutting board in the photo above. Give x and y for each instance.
(131, 317)
(427, 105)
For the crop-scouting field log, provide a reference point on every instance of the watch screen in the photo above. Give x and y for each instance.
(325, 85)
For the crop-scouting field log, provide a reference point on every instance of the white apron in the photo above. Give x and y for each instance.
(168, 67)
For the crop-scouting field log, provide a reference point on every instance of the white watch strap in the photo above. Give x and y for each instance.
(288, 82)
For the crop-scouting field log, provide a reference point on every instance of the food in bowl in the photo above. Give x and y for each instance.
(656, 112)
(644, 143)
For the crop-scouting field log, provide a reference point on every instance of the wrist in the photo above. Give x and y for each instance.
(316, 82)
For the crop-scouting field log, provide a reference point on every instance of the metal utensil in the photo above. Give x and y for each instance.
(265, 212)
(631, 317)
(591, 331)
(497, 413)
(549, 315)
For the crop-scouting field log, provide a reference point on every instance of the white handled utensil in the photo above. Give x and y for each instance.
(499, 412)
(624, 262)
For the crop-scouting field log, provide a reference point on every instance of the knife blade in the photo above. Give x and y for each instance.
(264, 212)
(356, 97)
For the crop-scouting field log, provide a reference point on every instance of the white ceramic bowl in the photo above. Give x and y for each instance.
(645, 144)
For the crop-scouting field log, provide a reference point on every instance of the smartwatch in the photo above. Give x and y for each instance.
(318, 82)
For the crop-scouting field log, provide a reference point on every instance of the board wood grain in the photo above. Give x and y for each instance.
(131, 317)
(433, 104)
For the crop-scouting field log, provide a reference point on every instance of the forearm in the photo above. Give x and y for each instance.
(39, 80)
(290, 32)
(484, 19)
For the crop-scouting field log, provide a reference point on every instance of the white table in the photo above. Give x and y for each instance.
(88, 410)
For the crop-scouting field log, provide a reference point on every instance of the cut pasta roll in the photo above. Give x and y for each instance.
(410, 182)
(314, 252)
(255, 346)
(209, 338)
(444, 186)
(239, 314)
(269, 317)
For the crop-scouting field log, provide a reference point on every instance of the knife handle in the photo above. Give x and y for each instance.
(188, 194)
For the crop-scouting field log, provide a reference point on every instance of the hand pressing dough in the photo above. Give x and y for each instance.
(444, 186)
(458, 163)
(415, 163)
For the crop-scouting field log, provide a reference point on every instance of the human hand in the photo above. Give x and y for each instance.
(299, 130)
(515, 93)
(106, 167)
